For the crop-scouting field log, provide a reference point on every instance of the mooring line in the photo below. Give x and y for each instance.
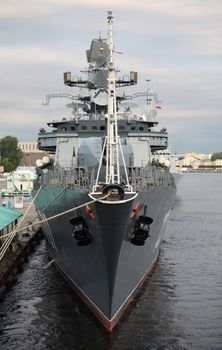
(12, 234)
(56, 216)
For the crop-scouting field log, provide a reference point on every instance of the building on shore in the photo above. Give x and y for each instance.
(21, 180)
(198, 162)
(30, 152)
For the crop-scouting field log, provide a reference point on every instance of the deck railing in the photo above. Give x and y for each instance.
(83, 178)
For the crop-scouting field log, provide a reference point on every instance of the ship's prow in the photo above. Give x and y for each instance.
(121, 274)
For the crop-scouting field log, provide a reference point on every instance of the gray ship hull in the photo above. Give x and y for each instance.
(107, 272)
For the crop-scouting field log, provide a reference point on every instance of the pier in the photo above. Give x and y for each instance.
(13, 256)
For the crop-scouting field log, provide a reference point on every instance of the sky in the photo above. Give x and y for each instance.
(175, 43)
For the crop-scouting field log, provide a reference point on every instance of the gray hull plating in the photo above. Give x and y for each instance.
(108, 270)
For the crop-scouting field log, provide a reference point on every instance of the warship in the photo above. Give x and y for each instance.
(103, 198)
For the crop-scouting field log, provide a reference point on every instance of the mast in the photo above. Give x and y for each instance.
(112, 144)
(112, 149)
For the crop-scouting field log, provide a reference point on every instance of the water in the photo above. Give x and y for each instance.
(180, 307)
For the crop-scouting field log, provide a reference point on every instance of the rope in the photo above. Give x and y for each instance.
(11, 235)
(36, 217)
(58, 195)
(56, 215)
(49, 264)
(53, 200)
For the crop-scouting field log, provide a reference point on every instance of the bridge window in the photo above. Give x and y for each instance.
(121, 127)
(64, 129)
(73, 128)
(141, 128)
(94, 127)
(133, 128)
(102, 127)
(84, 127)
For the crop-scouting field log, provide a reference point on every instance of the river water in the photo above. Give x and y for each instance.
(180, 306)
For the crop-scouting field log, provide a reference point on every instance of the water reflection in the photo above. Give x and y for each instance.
(179, 306)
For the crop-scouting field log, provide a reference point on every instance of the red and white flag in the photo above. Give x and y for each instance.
(119, 52)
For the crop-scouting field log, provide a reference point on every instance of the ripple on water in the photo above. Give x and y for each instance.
(179, 307)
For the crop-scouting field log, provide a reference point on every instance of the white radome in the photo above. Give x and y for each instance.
(46, 159)
(39, 163)
(161, 160)
(167, 163)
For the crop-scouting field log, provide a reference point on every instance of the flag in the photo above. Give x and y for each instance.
(119, 52)
(158, 107)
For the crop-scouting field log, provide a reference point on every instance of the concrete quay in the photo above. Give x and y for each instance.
(19, 250)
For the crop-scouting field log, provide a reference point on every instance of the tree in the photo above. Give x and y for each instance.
(216, 156)
(10, 154)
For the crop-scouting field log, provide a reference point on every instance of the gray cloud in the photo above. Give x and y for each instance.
(175, 43)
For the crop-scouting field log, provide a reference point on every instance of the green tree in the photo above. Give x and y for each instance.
(10, 154)
(216, 156)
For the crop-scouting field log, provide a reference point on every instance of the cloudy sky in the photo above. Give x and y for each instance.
(176, 43)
